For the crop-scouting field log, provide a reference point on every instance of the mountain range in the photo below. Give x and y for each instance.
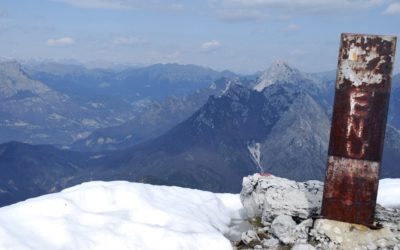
(278, 125)
(154, 119)
(59, 104)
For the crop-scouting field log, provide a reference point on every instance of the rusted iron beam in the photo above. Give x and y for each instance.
(360, 109)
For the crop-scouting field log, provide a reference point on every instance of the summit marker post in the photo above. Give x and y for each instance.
(363, 84)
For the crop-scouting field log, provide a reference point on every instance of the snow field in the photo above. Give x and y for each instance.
(123, 215)
(120, 215)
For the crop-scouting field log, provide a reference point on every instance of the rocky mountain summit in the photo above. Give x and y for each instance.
(280, 72)
(284, 215)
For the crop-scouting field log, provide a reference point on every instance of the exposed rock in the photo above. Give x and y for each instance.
(288, 232)
(250, 238)
(288, 212)
(301, 231)
(303, 247)
(279, 72)
(271, 243)
(283, 228)
(353, 236)
(270, 196)
(389, 217)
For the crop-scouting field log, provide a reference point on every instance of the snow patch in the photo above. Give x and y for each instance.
(81, 135)
(255, 153)
(389, 193)
(121, 215)
(56, 117)
(227, 86)
(20, 124)
(89, 122)
(95, 105)
(107, 140)
(95, 157)
(213, 86)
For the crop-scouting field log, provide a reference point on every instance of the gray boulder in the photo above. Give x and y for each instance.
(288, 232)
(271, 243)
(283, 228)
(270, 196)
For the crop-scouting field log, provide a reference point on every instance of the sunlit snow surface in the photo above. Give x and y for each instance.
(389, 193)
(122, 215)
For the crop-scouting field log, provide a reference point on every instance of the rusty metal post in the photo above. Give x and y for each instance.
(358, 127)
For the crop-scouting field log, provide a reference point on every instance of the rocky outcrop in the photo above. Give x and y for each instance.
(284, 215)
(341, 235)
(270, 196)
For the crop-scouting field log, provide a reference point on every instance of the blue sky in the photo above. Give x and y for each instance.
(240, 35)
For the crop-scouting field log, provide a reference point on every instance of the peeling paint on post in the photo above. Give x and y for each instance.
(358, 127)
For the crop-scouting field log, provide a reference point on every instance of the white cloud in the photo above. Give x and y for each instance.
(392, 9)
(210, 46)
(293, 27)
(297, 5)
(130, 41)
(238, 15)
(98, 4)
(301, 3)
(124, 4)
(63, 41)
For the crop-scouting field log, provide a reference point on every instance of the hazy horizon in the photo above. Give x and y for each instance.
(237, 35)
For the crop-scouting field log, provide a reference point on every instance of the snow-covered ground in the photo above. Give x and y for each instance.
(389, 193)
(122, 215)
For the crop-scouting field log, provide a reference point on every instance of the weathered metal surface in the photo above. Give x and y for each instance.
(350, 193)
(358, 126)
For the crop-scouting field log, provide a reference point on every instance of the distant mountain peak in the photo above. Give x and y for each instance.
(14, 80)
(278, 71)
